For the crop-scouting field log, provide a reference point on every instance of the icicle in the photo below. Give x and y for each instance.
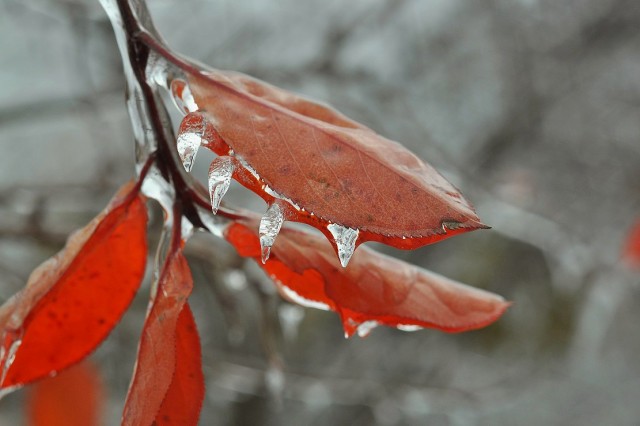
(188, 144)
(220, 173)
(270, 225)
(182, 97)
(345, 239)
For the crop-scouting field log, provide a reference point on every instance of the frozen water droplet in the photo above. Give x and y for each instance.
(220, 174)
(345, 239)
(183, 97)
(270, 225)
(188, 145)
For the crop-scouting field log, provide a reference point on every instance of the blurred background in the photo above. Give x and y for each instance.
(530, 107)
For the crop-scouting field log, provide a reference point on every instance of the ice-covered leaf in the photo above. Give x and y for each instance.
(72, 301)
(169, 340)
(71, 398)
(330, 169)
(374, 289)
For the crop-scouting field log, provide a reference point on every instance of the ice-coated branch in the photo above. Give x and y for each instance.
(150, 121)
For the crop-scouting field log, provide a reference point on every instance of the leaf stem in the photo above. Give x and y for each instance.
(136, 36)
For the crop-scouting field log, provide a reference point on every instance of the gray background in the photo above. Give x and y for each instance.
(531, 107)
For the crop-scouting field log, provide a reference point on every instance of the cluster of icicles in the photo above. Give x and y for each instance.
(222, 169)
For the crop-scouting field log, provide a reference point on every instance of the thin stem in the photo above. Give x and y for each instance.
(136, 36)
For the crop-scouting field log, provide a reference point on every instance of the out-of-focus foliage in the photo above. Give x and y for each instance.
(530, 107)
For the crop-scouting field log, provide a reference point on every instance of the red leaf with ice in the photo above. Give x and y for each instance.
(71, 398)
(331, 169)
(373, 287)
(168, 361)
(72, 301)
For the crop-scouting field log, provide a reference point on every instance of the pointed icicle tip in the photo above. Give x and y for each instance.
(345, 240)
(270, 225)
(188, 144)
(220, 174)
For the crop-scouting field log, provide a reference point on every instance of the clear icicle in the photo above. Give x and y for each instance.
(270, 225)
(345, 239)
(188, 145)
(220, 174)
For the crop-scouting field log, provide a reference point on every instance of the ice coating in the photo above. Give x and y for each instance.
(408, 327)
(182, 97)
(270, 225)
(220, 174)
(188, 144)
(366, 328)
(300, 300)
(156, 187)
(345, 240)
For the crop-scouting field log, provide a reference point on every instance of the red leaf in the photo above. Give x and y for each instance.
(168, 338)
(71, 398)
(72, 301)
(182, 403)
(631, 249)
(373, 287)
(331, 168)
